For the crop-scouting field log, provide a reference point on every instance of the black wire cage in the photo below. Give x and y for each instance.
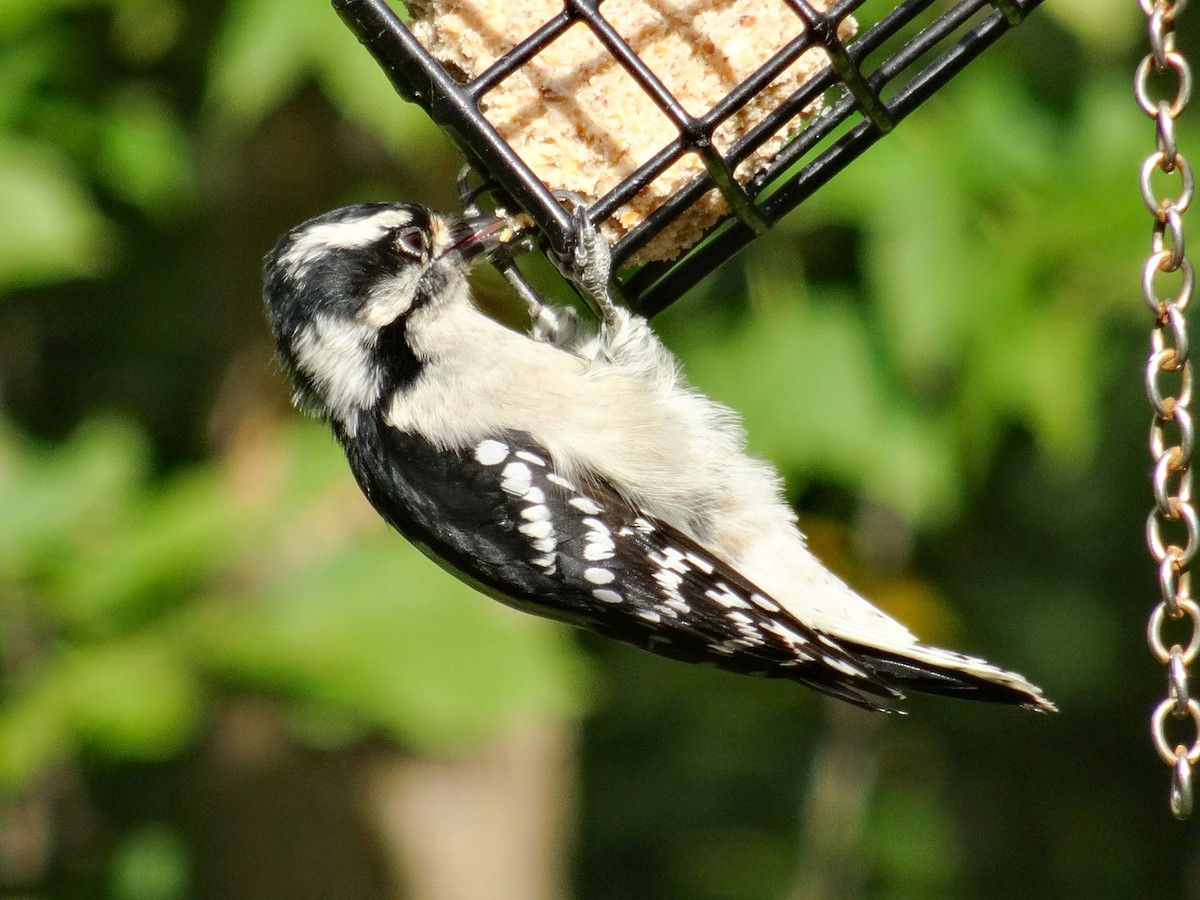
(902, 54)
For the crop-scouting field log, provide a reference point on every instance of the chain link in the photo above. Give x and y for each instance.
(1173, 527)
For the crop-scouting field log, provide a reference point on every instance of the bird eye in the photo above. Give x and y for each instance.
(412, 241)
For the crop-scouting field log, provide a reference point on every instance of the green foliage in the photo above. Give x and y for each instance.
(269, 48)
(150, 864)
(820, 351)
(50, 230)
(916, 853)
(926, 368)
(144, 155)
(383, 635)
(147, 595)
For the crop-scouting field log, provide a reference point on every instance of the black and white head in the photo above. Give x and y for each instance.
(341, 289)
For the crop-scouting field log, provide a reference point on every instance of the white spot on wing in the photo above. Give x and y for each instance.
(840, 665)
(516, 478)
(490, 453)
(672, 559)
(599, 544)
(723, 595)
(607, 596)
(540, 529)
(536, 513)
(596, 575)
(784, 632)
(596, 551)
(585, 505)
(764, 602)
(531, 458)
(668, 581)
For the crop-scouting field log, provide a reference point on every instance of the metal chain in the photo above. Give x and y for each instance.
(1173, 528)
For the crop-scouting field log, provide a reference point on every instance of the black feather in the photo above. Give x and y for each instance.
(458, 512)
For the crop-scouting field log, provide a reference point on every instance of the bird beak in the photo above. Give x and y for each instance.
(483, 234)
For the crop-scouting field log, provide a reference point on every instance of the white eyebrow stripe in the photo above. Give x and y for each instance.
(319, 239)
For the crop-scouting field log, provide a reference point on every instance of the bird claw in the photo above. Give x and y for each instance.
(590, 264)
(592, 257)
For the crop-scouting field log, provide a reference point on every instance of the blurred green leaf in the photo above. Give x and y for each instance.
(130, 698)
(19, 14)
(1102, 24)
(261, 56)
(912, 844)
(144, 156)
(382, 632)
(52, 497)
(135, 698)
(181, 534)
(977, 320)
(151, 863)
(1055, 391)
(127, 573)
(815, 400)
(49, 227)
(146, 30)
(358, 87)
(34, 732)
(269, 47)
(23, 67)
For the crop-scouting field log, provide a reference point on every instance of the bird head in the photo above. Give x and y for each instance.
(341, 288)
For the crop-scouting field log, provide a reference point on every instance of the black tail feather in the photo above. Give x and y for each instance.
(907, 674)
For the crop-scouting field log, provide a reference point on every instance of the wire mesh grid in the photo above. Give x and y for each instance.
(902, 55)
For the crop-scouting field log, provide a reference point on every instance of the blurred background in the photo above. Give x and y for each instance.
(221, 677)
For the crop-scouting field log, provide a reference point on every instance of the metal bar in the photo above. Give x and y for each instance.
(521, 54)
(656, 286)
(417, 76)
(782, 184)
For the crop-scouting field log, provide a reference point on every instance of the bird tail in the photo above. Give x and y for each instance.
(933, 670)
